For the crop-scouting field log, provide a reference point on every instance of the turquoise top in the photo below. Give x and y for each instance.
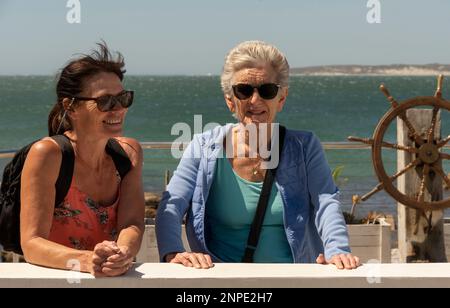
(230, 210)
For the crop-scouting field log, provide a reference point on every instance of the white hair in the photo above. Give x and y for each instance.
(253, 54)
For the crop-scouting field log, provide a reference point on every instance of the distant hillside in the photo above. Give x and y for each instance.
(374, 70)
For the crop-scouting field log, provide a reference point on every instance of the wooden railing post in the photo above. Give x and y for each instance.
(166, 179)
(420, 233)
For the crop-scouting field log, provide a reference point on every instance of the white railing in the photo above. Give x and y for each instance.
(234, 275)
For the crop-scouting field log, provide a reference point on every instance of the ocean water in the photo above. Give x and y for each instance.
(332, 107)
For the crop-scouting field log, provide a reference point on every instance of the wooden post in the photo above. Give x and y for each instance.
(385, 241)
(420, 233)
(166, 179)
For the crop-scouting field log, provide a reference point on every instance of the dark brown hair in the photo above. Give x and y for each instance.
(71, 81)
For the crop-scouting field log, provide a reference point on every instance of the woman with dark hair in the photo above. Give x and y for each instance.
(100, 221)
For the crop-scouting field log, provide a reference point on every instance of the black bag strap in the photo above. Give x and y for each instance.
(119, 156)
(62, 184)
(258, 220)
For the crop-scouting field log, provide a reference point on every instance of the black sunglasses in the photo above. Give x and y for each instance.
(108, 102)
(245, 91)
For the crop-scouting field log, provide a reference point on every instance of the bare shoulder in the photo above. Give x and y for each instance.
(46, 149)
(133, 149)
(44, 155)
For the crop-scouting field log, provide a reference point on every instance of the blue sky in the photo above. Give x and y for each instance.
(192, 37)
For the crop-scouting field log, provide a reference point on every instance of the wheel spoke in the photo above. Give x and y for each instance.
(426, 170)
(430, 136)
(376, 189)
(411, 129)
(380, 186)
(404, 170)
(389, 96)
(362, 140)
(438, 93)
(399, 147)
(402, 115)
(444, 155)
(443, 142)
(385, 144)
(438, 170)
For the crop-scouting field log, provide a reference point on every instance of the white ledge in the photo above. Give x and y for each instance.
(157, 275)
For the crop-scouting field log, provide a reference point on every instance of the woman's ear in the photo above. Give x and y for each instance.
(230, 103)
(282, 99)
(69, 110)
(67, 104)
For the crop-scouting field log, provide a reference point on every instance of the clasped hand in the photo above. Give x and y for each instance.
(109, 259)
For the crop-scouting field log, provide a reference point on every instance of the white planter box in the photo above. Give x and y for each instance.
(371, 243)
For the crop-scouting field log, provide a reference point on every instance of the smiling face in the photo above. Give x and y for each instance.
(86, 117)
(256, 109)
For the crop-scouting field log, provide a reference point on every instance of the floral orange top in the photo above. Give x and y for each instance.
(82, 223)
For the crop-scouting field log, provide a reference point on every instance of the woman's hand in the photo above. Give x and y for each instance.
(190, 259)
(108, 259)
(99, 255)
(341, 261)
(119, 263)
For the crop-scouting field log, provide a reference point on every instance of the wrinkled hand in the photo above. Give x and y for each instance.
(101, 252)
(108, 259)
(190, 259)
(118, 263)
(341, 261)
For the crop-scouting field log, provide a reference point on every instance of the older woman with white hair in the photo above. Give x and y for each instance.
(271, 198)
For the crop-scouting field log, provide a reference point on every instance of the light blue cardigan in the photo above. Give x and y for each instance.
(313, 219)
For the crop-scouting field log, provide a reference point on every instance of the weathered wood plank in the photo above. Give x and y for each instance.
(367, 254)
(417, 241)
(385, 244)
(365, 240)
(364, 229)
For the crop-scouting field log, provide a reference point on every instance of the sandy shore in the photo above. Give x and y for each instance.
(383, 70)
(393, 73)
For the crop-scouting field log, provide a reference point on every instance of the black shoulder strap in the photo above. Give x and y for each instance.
(258, 220)
(62, 184)
(119, 156)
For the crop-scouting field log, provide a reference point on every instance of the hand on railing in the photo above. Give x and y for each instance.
(341, 261)
(190, 259)
(110, 260)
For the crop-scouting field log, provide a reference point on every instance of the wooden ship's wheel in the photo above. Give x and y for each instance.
(425, 149)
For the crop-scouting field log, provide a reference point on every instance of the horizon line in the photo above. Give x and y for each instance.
(218, 74)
